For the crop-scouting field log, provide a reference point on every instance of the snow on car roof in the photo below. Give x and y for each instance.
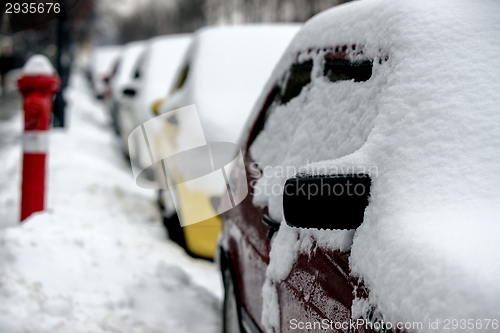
(229, 70)
(164, 58)
(103, 58)
(427, 121)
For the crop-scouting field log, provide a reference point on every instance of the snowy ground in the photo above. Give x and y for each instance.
(10, 152)
(97, 260)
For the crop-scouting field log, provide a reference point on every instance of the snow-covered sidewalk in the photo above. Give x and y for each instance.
(98, 260)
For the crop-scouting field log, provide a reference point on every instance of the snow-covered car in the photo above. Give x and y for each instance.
(153, 74)
(103, 61)
(123, 76)
(371, 161)
(223, 74)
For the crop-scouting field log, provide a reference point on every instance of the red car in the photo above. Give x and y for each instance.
(360, 156)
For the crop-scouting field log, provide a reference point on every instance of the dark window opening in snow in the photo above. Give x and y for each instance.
(336, 68)
(137, 73)
(299, 77)
(181, 79)
(139, 66)
(271, 101)
(347, 70)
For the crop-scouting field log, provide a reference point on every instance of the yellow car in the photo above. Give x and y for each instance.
(201, 237)
(196, 233)
(224, 71)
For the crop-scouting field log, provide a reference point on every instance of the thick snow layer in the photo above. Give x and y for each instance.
(97, 259)
(232, 65)
(38, 65)
(162, 59)
(425, 125)
(228, 67)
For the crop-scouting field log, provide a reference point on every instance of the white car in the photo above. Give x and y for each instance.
(153, 74)
(123, 76)
(101, 64)
(223, 73)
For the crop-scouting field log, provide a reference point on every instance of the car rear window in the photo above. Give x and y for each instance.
(338, 65)
(298, 77)
(346, 70)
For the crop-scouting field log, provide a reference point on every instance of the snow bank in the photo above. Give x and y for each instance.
(102, 60)
(97, 259)
(10, 175)
(426, 121)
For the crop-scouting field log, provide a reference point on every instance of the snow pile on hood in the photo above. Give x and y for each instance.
(97, 259)
(427, 122)
(124, 73)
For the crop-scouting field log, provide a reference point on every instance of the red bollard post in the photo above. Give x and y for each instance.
(38, 84)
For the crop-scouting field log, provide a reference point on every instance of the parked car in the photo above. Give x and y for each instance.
(124, 75)
(223, 73)
(398, 103)
(153, 74)
(103, 62)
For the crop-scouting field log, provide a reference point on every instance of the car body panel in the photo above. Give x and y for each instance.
(201, 237)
